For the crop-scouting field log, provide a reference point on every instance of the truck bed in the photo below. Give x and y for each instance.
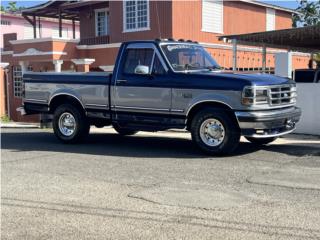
(91, 89)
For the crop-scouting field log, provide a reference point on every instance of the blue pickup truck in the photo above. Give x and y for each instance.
(163, 84)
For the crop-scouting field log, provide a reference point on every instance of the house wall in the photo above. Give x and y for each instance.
(87, 20)
(283, 20)
(54, 49)
(160, 23)
(46, 64)
(102, 56)
(238, 17)
(18, 23)
(159, 27)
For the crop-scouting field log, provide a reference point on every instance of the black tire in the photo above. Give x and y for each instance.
(99, 125)
(261, 141)
(81, 129)
(123, 131)
(231, 131)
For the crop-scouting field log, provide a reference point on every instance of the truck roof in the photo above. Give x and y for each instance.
(163, 40)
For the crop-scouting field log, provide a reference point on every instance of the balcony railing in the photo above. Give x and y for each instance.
(95, 40)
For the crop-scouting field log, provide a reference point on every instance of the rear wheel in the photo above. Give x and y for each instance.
(261, 141)
(70, 124)
(215, 132)
(123, 131)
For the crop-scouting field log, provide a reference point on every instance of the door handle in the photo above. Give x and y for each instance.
(121, 81)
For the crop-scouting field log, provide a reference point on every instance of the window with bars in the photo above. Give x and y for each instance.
(5, 22)
(136, 15)
(101, 22)
(17, 81)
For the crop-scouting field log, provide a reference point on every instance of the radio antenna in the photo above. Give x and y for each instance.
(158, 19)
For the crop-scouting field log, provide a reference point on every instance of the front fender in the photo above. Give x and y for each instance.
(231, 99)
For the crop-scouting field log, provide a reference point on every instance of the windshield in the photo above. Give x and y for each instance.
(184, 57)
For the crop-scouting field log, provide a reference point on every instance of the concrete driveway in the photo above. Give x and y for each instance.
(156, 186)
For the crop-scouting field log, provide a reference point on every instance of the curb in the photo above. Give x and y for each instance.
(18, 125)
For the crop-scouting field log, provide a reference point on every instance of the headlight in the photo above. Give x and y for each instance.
(255, 95)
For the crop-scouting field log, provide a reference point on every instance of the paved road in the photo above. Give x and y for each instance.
(156, 186)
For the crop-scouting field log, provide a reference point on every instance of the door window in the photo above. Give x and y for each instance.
(136, 57)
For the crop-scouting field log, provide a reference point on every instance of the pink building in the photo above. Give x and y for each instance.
(49, 27)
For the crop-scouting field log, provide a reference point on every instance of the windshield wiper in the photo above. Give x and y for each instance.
(213, 68)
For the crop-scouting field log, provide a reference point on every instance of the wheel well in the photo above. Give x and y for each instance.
(63, 99)
(219, 106)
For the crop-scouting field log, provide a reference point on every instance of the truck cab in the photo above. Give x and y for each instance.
(163, 84)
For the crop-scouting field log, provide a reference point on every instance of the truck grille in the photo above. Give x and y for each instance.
(283, 95)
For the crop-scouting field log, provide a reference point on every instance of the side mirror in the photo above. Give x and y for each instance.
(141, 69)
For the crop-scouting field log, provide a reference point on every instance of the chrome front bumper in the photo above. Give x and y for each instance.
(269, 123)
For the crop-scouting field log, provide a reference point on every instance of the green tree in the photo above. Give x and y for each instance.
(307, 14)
(12, 7)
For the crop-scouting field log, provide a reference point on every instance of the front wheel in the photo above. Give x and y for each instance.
(70, 124)
(261, 141)
(215, 132)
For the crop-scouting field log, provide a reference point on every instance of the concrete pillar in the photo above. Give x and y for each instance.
(83, 65)
(3, 90)
(57, 65)
(24, 66)
(283, 64)
(234, 54)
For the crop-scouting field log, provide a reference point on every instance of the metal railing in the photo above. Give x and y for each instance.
(95, 40)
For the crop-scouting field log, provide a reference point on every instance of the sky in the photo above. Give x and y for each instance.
(289, 3)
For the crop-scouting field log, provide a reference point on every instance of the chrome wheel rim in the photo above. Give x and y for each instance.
(67, 124)
(212, 132)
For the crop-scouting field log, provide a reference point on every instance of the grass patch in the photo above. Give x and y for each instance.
(5, 119)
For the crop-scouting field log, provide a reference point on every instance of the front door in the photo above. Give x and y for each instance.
(140, 93)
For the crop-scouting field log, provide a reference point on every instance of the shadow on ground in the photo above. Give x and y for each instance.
(134, 146)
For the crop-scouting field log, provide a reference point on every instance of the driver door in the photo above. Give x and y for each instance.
(140, 94)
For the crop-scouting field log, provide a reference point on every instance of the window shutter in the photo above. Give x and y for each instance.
(212, 16)
(271, 19)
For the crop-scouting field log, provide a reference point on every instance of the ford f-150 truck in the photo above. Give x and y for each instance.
(163, 84)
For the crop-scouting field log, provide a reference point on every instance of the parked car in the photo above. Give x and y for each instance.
(163, 84)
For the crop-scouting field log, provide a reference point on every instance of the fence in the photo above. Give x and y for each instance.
(309, 101)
